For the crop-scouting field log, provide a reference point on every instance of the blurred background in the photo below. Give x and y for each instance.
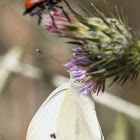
(28, 77)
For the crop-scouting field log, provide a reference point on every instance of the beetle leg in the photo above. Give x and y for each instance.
(52, 18)
(66, 15)
(40, 18)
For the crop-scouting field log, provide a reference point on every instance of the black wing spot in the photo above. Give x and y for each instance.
(53, 136)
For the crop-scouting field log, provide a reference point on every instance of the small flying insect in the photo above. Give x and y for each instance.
(53, 136)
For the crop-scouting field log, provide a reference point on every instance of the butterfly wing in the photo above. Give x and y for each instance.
(45, 120)
(77, 119)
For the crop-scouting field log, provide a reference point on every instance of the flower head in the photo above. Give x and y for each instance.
(107, 47)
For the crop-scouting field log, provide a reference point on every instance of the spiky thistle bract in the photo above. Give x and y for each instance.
(107, 47)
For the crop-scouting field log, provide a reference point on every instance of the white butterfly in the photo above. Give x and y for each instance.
(66, 115)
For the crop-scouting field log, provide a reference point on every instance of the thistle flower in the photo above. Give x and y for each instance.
(107, 47)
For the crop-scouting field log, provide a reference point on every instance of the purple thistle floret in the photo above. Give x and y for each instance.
(80, 67)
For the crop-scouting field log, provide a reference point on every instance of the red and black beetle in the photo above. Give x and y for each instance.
(35, 7)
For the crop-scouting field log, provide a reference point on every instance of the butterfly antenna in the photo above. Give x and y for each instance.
(37, 50)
